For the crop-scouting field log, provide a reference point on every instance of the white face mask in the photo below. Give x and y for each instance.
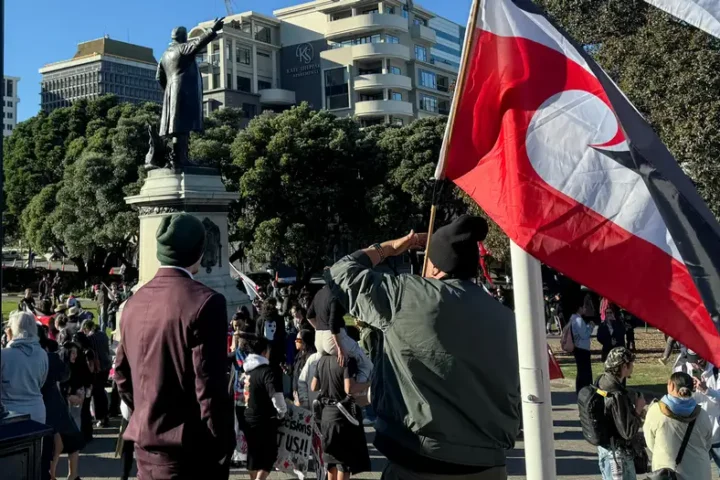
(270, 329)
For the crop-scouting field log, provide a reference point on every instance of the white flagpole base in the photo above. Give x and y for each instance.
(533, 358)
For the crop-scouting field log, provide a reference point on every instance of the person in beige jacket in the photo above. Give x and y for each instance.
(665, 426)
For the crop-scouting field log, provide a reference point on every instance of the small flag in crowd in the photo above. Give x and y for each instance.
(704, 14)
(554, 370)
(551, 149)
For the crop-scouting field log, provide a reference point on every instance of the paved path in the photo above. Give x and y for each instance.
(576, 459)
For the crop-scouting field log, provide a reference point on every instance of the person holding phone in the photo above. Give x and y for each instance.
(707, 395)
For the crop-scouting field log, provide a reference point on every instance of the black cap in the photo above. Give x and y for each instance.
(454, 247)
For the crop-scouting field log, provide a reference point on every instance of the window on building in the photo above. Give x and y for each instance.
(243, 55)
(428, 103)
(396, 96)
(405, 11)
(369, 122)
(367, 97)
(370, 10)
(390, 10)
(9, 88)
(10, 127)
(262, 33)
(395, 70)
(249, 110)
(336, 88)
(216, 80)
(428, 79)
(444, 107)
(264, 85)
(369, 69)
(228, 52)
(443, 83)
(391, 39)
(244, 84)
(340, 15)
(246, 27)
(420, 21)
(228, 81)
(215, 57)
(421, 53)
(396, 121)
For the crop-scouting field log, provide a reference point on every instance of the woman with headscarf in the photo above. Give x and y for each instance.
(24, 367)
(78, 388)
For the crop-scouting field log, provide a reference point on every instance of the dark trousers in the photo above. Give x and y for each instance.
(127, 454)
(155, 466)
(584, 368)
(48, 447)
(99, 395)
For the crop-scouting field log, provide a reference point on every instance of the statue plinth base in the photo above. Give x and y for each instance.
(200, 193)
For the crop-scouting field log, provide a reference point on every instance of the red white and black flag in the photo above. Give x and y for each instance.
(549, 147)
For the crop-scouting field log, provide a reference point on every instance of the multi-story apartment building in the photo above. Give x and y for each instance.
(378, 60)
(241, 67)
(10, 100)
(100, 67)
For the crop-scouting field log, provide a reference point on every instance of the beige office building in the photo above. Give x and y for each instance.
(241, 67)
(11, 98)
(380, 61)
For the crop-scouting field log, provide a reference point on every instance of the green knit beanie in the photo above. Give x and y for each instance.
(180, 240)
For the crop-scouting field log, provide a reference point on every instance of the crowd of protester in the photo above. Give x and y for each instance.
(400, 341)
(56, 364)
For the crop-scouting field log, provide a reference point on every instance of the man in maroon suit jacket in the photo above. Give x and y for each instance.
(171, 364)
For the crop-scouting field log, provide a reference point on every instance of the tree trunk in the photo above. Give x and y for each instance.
(80, 264)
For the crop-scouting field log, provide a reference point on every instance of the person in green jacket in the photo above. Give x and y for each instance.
(446, 389)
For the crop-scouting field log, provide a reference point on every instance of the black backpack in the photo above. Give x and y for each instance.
(596, 427)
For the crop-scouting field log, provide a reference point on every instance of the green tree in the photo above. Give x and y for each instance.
(403, 200)
(668, 69)
(302, 188)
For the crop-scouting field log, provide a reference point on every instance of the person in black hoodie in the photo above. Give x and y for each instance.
(265, 405)
(611, 333)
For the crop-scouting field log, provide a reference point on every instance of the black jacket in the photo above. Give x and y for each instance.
(606, 338)
(620, 407)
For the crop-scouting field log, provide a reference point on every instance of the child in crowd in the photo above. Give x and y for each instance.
(265, 405)
(343, 438)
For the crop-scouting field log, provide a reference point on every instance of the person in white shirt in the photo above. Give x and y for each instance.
(707, 394)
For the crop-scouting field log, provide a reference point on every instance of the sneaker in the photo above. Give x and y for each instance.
(347, 408)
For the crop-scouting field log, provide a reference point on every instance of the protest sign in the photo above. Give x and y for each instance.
(295, 441)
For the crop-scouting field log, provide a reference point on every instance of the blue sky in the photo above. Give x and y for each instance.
(38, 32)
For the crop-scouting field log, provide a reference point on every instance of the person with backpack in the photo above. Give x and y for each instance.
(611, 416)
(678, 432)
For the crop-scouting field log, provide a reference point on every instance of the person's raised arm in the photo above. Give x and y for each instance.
(194, 46)
(368, 294)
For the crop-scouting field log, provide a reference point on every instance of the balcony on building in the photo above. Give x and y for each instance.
(380, 50)
(379, 81)
(365, 23)
(277, 96)
(375, 108)
(421, 32)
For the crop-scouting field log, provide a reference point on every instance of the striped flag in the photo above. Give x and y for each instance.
(551, 149)
(704, 14)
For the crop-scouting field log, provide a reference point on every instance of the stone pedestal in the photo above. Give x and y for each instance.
(200, 192)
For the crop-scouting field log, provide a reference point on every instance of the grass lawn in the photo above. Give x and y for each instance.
(648, 376)
(9, 305)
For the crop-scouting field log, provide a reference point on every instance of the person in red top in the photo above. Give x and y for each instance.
(172, 362)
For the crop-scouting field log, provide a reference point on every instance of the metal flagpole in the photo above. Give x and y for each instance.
(440, 170)
(533, 359)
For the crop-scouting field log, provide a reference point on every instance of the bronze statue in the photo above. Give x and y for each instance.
(180, 77)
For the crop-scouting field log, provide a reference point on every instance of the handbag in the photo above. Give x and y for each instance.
(669, 473)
